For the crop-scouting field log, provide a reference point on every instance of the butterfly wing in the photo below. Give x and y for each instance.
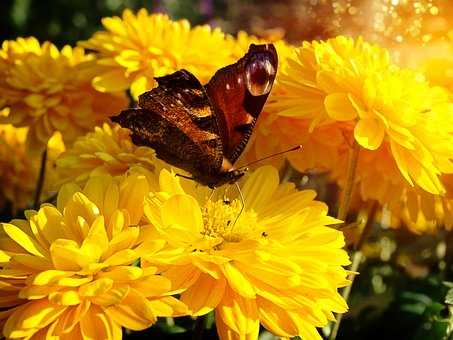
(176, 120)
(238, 93)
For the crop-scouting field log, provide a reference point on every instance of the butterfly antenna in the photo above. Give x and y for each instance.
(294, 148)
(242, 204)
(186, 177)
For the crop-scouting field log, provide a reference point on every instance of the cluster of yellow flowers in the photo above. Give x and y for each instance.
(48, 90)
(128, 241)
(124, 235)
(19, 170)
(71, 270)
(342, 93)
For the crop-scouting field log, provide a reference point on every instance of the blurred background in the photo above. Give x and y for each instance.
(401, 291)
(387, 21)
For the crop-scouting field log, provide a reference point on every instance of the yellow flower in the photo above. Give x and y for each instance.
(106, 150)
(50, 90)
(351, 86)
(423, 213)
(135, 48)
(68, 271)
(276, 262)
(19, 171)
(434, 59)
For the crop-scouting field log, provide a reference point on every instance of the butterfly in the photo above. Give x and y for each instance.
(204, 129)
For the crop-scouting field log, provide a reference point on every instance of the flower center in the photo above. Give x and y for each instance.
(227, 220)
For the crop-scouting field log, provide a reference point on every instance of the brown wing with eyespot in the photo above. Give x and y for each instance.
(238, 92)
(177, 121)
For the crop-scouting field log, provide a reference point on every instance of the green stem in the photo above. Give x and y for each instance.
(40, 183)
(357, 257)
(346, 196)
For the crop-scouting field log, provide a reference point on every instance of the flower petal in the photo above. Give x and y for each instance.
(237, 281)
(204, 295)
(184, 211)
(97, 325)
(339, 107)
(238, 313)
(259, 187)
(111, 81)
(23, 239)
(369, 133)
(134, 312)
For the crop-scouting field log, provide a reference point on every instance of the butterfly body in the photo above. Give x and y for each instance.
(204, 129)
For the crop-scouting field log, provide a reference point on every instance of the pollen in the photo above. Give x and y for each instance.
(227, 220)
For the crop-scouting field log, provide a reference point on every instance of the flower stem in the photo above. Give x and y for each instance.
(200, 325)
(40, 183)
(342, 215)
(349, 185)
(357, 257)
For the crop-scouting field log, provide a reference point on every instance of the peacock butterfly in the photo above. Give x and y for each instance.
(204, 129)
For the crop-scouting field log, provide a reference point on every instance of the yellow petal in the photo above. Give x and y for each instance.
(97, 325)
(122, 273)
(204, 295)
(49, 276)
(184, 211)
(66, 255)
(123, 240)
(65, 194)
(133, 313)
(96, 242)
(168, 306)
(34, 315)
(139, 86)
(46, 225)
(112, 297)
(170, 183)
(339, 107)
(182, 277)
(286, 323)
(237, 281)
(34, 262)
(369, 133)
(132, 195)
(226, 333)
(23, 239)
(152, 285)
(96, 287)
(238, 313)
(112, 81)
(259, 187)
(123, 257)
(65, 298)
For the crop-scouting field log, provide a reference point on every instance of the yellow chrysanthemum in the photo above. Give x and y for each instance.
(69, 272)
(19, 171)
(106, 150)
(50, 90)
(351, 86)
(275, 262)
(434, 59)
(135, 48)
(424, 213)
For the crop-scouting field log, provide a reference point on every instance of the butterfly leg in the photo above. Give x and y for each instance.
(211, 194)
(242, 203)
(226, 200)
